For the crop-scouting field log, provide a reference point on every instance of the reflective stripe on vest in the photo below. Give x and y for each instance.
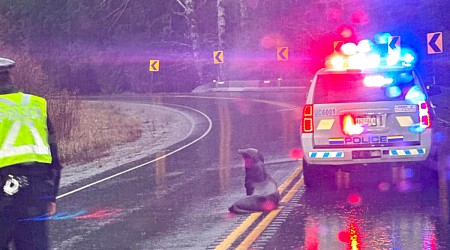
(23, 129)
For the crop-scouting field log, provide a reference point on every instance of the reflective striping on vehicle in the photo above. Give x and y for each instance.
(395, 138)
(326, 154)
(406, 152)
(404, 121)
(336, 140)
(325, 124)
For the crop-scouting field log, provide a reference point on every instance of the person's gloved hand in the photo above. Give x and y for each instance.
(51, 208)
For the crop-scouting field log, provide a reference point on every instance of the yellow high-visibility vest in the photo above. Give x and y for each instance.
(23, 129)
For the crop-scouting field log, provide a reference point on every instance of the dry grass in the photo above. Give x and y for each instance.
(86, 130)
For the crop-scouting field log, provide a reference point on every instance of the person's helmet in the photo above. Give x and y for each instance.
(6, 64)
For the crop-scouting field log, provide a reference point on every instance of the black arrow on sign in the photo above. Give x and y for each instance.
(153, 65)
(432, 43)
(218, 56)
(281, 53)
(393, 42)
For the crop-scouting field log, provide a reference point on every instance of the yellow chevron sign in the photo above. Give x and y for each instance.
(218, 57)
(283, 54)
(154, 65)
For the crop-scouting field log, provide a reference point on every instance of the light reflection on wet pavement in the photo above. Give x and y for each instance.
(389, 208)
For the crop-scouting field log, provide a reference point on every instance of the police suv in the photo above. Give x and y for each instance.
(362, 109)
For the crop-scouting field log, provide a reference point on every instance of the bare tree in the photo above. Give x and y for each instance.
(221, 30)
(243, 6)
(193, 34)
(116, 14)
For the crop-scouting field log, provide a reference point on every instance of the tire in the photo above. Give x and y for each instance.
(319, 175)
(308, 175)
(432, 162)
(429, 171)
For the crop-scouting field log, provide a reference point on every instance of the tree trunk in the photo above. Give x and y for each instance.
(244, 42)
(193, 34)
(221, 31)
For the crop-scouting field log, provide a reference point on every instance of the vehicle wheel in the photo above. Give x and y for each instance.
(429, 171)
(429, 178)
(432, 162)
(315, 176)
(308, 175)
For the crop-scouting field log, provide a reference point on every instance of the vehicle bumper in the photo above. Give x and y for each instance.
(364, 155)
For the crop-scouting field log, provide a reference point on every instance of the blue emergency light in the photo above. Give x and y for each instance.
(366, 54)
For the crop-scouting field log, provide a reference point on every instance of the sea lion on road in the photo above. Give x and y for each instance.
(261, 188)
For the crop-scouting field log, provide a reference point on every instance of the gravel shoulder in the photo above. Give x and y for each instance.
(162, 127)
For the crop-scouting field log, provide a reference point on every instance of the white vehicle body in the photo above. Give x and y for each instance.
(389, 127)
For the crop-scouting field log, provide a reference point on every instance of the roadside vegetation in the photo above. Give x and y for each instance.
(84, 130)
(87, 130)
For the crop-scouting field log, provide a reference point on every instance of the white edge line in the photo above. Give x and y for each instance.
(149, 162)
(442, 120)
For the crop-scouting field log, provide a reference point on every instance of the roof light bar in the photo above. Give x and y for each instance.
(364, 55)
(365, 46)
(349, 49)
(377, 81)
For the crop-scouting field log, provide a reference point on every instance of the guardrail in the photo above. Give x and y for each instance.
(255, 85)
(442, 105)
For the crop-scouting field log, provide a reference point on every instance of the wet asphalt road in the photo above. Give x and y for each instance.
(180, 201)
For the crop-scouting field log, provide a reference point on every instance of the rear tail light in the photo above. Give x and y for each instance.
(307, 121)
(424, 115)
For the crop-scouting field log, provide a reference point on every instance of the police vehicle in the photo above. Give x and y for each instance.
(365, 108)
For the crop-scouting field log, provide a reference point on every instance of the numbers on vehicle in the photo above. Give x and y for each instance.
(324, 112)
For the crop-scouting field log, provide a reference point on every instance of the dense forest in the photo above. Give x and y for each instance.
(104, 46)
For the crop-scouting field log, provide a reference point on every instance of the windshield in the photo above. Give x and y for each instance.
(363, 87)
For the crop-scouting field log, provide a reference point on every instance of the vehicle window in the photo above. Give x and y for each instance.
(354, 87)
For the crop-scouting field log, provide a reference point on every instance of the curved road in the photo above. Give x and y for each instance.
(178, 198)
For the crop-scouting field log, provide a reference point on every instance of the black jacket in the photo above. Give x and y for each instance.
(51, 172)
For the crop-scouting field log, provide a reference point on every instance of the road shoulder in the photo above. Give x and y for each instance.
(162, 127)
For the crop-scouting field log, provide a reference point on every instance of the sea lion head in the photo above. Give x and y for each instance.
(251, 156)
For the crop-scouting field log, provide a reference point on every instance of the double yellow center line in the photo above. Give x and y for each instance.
(253, 235)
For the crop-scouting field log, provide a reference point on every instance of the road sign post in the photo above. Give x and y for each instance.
(282, 55)
(219, 59)
(434, 46)
(153, 67)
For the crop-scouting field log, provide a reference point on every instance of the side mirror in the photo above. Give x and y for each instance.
(433, 90)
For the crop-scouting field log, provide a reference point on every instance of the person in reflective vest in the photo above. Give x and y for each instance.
(30, 170)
